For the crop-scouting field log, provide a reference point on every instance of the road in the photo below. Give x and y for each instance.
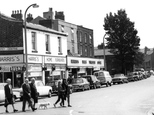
(134, 98)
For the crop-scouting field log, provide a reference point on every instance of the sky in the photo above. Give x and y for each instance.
(91, 14)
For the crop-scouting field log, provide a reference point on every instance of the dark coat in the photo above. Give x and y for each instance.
(8, 91)
(26, 91)
(34, 93)
(8, 95)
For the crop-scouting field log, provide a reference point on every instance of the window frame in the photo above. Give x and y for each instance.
(34, 41)
(47, 40)
(59, 45)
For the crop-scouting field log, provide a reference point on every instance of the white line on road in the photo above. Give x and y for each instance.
(71, 112)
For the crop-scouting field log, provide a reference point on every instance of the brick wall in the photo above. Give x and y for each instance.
(11, 33)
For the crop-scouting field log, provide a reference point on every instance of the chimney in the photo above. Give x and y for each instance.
(29, 17)
(17, 14)
(59, 15)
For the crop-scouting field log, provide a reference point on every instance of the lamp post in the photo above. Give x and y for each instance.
(104, 52)
(25, 20)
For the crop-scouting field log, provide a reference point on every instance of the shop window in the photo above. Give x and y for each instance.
(62, 28)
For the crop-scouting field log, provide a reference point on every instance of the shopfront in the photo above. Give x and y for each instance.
(11, 66)
(55, 68)
(78, 66)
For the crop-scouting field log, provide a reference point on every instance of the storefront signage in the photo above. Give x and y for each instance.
(55, 60)
(11, 59)
(84, 62)
(34, 59)
(75, 62)
(5, 68)
(35, 67)
(91, 62)
(16, 68)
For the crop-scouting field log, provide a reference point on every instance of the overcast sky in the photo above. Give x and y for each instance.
(91, 14)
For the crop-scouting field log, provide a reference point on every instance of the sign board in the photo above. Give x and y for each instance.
(10, 48)
(11, 59)
(84, 62)
(55, 60)
(34, 59)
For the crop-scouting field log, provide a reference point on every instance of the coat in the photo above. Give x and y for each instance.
(34, 93)
(26, 91)
(8, 91)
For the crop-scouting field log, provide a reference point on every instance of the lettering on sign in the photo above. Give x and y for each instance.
(99, 62)
(9, 59)
(84, 62)
(16, 68)
(33, 59)
(49, 59)
(91, 62)
(59, 60)
(74, 61)
(5, 69)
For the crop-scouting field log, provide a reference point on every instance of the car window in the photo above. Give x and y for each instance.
(77, 81)
(39, 84)
(96, 74)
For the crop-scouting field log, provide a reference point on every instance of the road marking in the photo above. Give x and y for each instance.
(71, 112)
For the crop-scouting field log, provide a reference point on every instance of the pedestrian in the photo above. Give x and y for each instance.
(27, 95)
(9, 99)
(34, 93)
(60, 95)
(67, 92)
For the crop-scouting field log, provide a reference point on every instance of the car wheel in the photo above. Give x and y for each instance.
(83, 88)
(49, 94)
(107, 84)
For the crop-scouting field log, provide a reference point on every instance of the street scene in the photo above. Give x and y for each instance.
(76, 58)
(134, 98)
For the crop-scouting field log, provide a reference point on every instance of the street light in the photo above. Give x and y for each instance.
(104, 52)
(25, 20)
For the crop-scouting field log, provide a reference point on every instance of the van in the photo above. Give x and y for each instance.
(104, 77)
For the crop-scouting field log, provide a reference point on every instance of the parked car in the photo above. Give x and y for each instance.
(104, 77)
(80, 84)
(41, 88)
(2, 93)
(130, 77)
(119, 78)
(94, 82)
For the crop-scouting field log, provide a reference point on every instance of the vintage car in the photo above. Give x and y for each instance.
(41, 89)
(119, 78)
(80, 84)
(94, 82)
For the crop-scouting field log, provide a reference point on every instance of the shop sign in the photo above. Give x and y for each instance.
(34, 68)
(34, 74)
(11, 59)
(34, 59)
(74, 62)
(16, 68)
(5, 69)
(55, 60)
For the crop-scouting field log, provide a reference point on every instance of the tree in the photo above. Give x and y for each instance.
(100, 46)
(122, 38)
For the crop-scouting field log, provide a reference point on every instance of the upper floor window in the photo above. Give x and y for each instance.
(59, 45)
(80, 36)
(80, 50)
(34, 41)
(90, 39)
(85, 38)
(47, 43)
(73, 49)
(72, 33)
(62, 28)
(86, 51)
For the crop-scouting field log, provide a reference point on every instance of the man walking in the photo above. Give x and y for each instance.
(67, 91)
(26, 95)
(34, 93)
(9, 95)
